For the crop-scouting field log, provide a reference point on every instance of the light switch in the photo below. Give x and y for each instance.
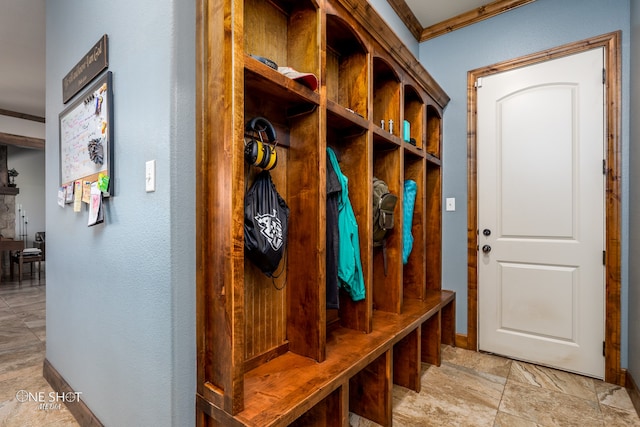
(451, 204)
(150, 176)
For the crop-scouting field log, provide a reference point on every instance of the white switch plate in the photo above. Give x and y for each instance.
(150, 176)
(451, 204)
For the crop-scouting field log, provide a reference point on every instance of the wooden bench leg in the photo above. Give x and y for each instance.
(431, 340)
(449, 323)
(371, 390)
(407, 368)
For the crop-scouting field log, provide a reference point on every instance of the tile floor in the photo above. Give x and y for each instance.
(475, 389)
(469, 389)
(22, 352)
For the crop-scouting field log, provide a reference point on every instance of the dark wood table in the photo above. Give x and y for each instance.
(9, 245)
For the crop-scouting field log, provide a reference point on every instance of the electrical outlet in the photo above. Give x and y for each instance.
(451, 204)
(150, 176)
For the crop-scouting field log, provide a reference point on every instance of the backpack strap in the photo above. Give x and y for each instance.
(384, 256)
(385, 221)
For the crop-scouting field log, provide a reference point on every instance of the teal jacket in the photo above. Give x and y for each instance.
(349, 263)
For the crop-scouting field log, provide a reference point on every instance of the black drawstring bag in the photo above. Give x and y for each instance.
(266, 217)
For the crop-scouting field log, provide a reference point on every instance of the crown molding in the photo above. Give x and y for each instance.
(464, 19)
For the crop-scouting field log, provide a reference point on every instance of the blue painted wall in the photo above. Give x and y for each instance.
(634, 199)
(121, 295)
(537, 26)
(395, 23)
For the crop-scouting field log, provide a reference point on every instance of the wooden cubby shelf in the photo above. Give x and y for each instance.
(413, 150)
(434, 160)
(261, 79)
(346, 121)
(274, 352)
(384, 139)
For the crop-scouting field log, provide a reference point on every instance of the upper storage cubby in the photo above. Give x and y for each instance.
(346, 67)
(434, 131)
(414, 115)
(284, 31)
(386, 97)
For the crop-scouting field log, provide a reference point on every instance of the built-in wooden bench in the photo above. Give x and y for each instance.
(285, 352)
(357, 375)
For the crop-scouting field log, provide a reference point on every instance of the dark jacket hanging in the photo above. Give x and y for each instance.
(349, 263)
(333, 238)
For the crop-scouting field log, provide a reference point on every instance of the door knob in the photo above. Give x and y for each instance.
(486, 249)
(486, 232)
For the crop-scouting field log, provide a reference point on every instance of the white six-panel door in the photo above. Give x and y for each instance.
(541, 213)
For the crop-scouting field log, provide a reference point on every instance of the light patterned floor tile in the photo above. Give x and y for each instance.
(619, 417)
(552, 379)
(481, 362)
(508, 420)
(613, 395)
(549, 408)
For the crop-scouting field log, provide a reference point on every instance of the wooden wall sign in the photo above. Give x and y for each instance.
(92, 64)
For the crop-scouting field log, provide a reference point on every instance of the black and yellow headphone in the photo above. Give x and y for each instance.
(256, 151)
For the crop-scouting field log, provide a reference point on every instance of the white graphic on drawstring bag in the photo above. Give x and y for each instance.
(271, 229)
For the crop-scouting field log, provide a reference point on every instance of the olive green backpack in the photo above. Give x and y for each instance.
(384, 204)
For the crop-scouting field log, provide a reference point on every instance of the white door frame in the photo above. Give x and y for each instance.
(611, 44)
